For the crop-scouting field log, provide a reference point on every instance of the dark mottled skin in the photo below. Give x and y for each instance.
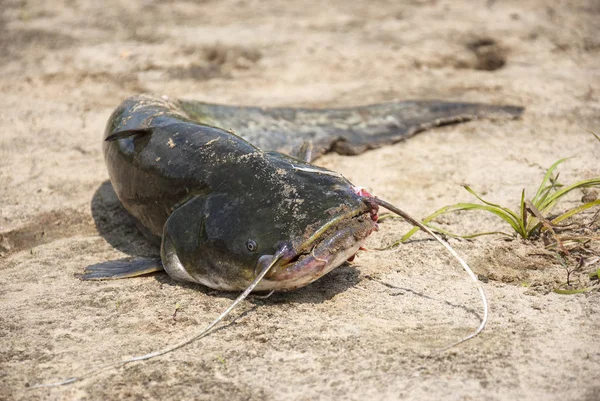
(348, 131)
(180, 171)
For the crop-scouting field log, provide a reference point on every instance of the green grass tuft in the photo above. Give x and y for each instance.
(570, 244)
(532, 215)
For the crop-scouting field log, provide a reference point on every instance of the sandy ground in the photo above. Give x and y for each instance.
(65, 65)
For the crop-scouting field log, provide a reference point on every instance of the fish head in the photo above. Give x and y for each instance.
(312, 217)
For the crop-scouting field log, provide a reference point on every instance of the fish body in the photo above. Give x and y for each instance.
(192, 176)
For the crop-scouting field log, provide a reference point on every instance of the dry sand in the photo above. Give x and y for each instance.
(64, 65)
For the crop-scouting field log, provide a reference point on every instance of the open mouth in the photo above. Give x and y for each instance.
(334, 246)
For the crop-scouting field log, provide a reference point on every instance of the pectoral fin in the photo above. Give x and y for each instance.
(182, 237)
(122, 268)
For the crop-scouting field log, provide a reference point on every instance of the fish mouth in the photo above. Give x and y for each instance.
(325, 250)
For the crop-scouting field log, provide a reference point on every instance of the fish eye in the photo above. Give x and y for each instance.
(251, 245)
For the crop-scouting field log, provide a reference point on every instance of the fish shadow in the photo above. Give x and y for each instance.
(337, 281)
(116, 225)
(118, 228)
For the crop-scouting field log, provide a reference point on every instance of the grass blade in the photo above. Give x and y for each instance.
(552, 199)
(545, 181)
(525, 223)
(571, 292)
(498, 211)
(505, 209)
(574, 211)
(593, 133)
(546, 191)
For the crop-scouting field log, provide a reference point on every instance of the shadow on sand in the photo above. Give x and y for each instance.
(116, 226)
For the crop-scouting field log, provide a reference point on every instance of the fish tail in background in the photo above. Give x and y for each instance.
(348, 131)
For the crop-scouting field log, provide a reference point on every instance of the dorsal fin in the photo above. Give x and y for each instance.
(128, 133)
